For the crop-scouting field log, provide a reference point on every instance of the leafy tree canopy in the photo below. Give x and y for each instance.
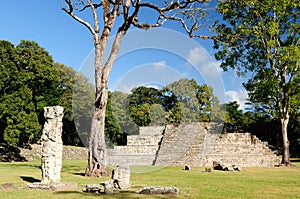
(263, 37)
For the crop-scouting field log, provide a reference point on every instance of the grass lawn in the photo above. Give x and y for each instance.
(250, 183)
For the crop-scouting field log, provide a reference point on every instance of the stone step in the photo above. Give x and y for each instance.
(242, 160)
(177, 142)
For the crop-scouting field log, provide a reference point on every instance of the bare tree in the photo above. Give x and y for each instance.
(189, 13)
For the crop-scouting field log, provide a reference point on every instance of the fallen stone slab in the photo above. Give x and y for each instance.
(51, 186)
(159, 190)
(92, 188)
(63, 186)
(108, 187)
(7, 186)
(38, 185)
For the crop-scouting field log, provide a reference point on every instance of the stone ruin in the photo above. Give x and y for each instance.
(51, 152)
(121, 177)
(193, 144)
(52, 144)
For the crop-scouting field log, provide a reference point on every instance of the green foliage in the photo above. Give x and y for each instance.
(174, 115)
(120, 109)
(141, 100)
(234, 116)
(181, 101)
(263, 126)
(157, 115)
(191, 102)
(262, 37)
(30, 80)
(83, 106)
(27, 85)
(113, 131)
(294, 129)
(67, 80)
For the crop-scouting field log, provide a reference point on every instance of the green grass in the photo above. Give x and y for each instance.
(250, 183)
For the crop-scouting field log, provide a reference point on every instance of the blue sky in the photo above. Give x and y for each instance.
(142, 52)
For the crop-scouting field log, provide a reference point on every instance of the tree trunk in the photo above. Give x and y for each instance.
(286, 151)
(97, 162)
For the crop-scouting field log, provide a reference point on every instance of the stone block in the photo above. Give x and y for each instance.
(159, 190)
(121, 175)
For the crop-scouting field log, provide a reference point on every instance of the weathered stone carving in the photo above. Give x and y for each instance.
(52, 144)
(121, 177)
(108, 187)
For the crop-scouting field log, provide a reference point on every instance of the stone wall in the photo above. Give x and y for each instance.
(69, 152)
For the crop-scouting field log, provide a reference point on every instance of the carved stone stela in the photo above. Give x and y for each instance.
(52, 145)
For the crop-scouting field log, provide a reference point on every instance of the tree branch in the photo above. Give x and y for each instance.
(70, 12)
(85, 6)
(96, 21)
(164, 15)
(113, 53)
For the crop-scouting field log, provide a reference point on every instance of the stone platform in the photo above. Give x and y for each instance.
(194, 144)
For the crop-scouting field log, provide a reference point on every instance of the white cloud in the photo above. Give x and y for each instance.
(240, 96)
(208, 69)
(200, 59)
(159, 65)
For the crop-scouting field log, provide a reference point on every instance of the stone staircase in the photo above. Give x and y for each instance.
(214, 131)
(188, 144)
(241, 149)
(195, 144)
(140, 149)
(192, 155)
(179, 143)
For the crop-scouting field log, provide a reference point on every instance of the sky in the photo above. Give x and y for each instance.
(151, 58)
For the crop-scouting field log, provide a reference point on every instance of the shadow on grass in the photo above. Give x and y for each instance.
(121, 194)
(79, 174)
(29, 179)
(10, 153)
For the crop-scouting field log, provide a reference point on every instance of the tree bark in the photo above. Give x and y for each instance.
(97, 162)
(286, 151)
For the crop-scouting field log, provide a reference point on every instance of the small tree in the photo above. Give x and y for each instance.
(127, 14)
(263, 37)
